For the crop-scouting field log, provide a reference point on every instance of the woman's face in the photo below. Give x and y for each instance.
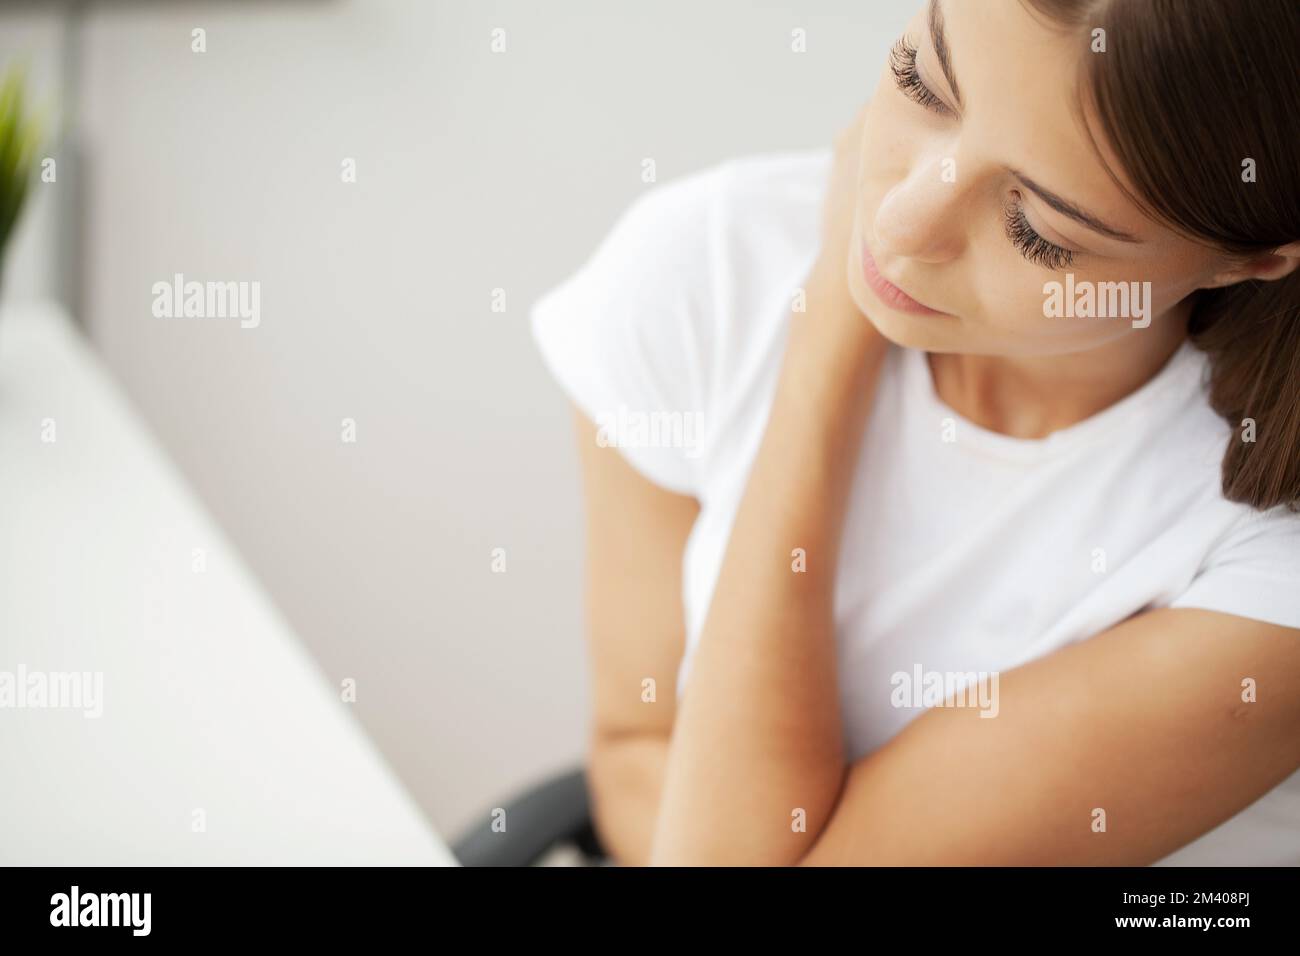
(967, 180)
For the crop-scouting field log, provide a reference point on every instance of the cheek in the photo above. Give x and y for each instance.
(1020, 314)
(1168, 290)
(1048, 313)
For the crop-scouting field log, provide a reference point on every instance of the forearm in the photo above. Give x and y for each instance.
(757, 735)
(625, 776)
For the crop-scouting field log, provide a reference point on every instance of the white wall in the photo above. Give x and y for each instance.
(476, 171)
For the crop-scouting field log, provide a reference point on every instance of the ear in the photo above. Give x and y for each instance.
(1267, 266)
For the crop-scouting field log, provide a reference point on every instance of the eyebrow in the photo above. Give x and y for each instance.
(1061, 205)
(1067, 208)
(940, 41)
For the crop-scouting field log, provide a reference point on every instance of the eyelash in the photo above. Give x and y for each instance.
(1031, 245)
(902, 63)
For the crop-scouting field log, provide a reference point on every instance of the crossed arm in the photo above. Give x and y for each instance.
(1142, 728)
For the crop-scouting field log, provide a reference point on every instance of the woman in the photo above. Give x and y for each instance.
(987, 553)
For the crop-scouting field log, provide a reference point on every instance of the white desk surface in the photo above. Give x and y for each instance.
(210, 702)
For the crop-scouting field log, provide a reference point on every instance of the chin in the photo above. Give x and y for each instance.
(928, 333)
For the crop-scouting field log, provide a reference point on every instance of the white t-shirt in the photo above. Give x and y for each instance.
(965, 551)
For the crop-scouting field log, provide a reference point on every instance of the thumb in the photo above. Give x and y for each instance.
(849, 135)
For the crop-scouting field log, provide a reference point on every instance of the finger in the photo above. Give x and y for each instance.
(848, 136)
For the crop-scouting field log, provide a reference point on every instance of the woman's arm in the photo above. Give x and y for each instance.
(758, 744)
(758, 737)
(1116, 750)
(1142, 729)
(636, 532)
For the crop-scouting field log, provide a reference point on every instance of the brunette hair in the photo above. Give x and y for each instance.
(1190, 94)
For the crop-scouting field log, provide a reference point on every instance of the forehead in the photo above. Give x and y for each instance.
(1021, 80)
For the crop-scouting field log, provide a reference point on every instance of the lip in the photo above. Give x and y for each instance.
(887, 292)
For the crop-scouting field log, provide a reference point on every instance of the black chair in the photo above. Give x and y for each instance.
(550, 814)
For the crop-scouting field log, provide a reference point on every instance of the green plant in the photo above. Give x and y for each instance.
(18, 144)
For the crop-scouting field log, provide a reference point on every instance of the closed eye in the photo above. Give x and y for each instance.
(902, 63)
(1032, 245)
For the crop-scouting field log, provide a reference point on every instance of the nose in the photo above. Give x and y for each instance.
(920, 217)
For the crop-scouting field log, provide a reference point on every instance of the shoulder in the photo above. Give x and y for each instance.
(779, 183)
(1240, 560)
(653, 318)
(1252, 569)
(691, 228)
(1267, 542)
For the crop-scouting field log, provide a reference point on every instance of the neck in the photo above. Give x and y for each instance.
(1032, 396)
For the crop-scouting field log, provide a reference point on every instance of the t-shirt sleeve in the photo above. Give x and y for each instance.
(1254, 571)
(626, 335)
